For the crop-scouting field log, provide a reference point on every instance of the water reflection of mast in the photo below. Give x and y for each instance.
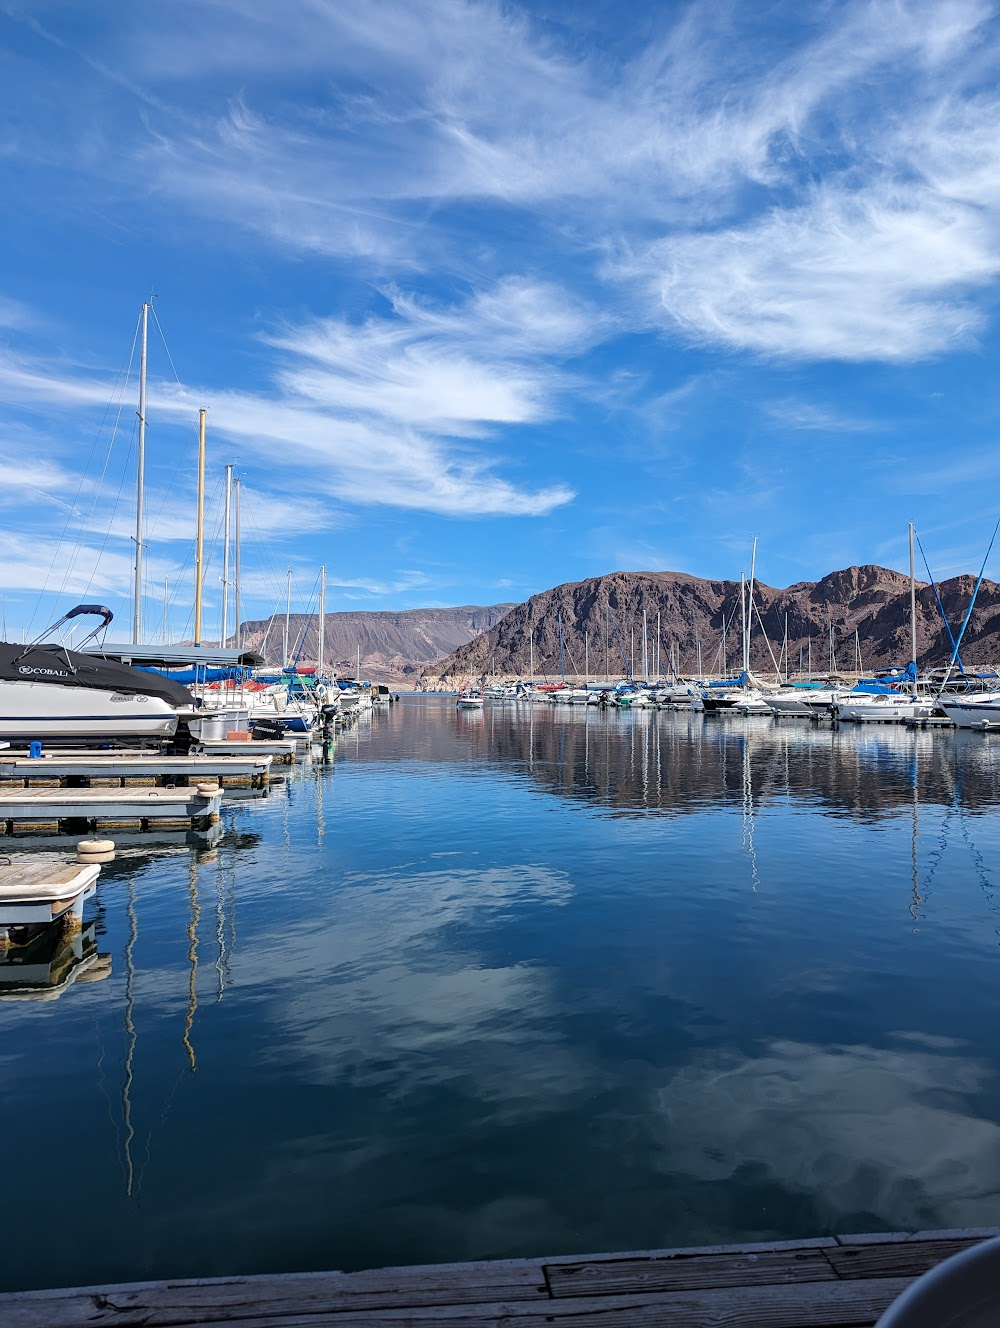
(192, 1004)
(320, 822)
(747, 839)
(133, 936)
(915, 900)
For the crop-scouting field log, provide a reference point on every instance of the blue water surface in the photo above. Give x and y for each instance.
(534, 981)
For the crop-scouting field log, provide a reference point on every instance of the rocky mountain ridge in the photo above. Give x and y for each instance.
(857, 611)
(395, 647)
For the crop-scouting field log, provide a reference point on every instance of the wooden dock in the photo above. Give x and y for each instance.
(113, 770)
(40, 889)
(51, 810)
(281, 750)
(829, 1282)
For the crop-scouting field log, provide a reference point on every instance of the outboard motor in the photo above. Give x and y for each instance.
(267, 730)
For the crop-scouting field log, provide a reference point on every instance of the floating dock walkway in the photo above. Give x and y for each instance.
(281, 750)
(55, 810)
(132, 770)
(847, 1281)
(38, 891)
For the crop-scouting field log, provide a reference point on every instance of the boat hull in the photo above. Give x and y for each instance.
(40, 711)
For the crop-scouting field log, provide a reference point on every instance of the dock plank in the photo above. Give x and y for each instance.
(798, 1305)
(18, 876)
(273, 1299)
(830, 1282)
(680, 1272)
(899, 1259)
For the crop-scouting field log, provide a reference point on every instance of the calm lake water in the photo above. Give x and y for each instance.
(541, 980)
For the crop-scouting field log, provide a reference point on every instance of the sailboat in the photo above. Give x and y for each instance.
(884, 702)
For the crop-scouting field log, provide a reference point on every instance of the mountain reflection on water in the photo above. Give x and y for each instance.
(529, 981)
(683, 762)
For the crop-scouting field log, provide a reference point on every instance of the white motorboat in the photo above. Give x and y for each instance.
(887, 708)
(571, 696)
(972, 712)
(50, 692)
(804, 702)
(470, 699)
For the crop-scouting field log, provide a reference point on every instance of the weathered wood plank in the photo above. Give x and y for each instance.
(816, 1305)
(681, 1271)
(904, 1258)
(236, 1299)
(642, 1289)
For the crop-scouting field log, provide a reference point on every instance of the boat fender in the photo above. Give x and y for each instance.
(95, 850)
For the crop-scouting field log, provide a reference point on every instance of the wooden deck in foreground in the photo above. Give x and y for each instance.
(835, 1281)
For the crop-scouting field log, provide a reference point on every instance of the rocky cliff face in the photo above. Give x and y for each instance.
(864, 609)
(395, 647)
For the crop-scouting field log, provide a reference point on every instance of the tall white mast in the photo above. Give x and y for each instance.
(753, 565)
(321, 626)
(225, 558)
(288, 614)
(236, 571)
(645, 649)
(586, 658)
(913, 618)
(199, 542)
(140, 480)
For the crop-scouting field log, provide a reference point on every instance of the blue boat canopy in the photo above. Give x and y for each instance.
(201, 674)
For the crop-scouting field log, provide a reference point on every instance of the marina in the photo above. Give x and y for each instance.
(500, 665)
(442, 1047)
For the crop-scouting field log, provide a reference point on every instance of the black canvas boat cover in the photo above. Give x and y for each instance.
(52, 663)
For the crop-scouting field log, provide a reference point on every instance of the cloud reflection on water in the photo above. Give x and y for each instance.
(866, 1132)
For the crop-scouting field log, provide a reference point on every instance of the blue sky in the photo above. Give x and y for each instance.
(481, 298)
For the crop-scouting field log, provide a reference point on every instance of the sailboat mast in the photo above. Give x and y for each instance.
(321, 625)
(645, 648)
(225, 558)
(913, 618)
(236, 574)
(586, 658)
(753, 568)
(140, 480)
(288, 614)
(199, 540)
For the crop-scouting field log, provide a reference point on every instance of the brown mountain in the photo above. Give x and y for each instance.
(394, 646)
(866, 608)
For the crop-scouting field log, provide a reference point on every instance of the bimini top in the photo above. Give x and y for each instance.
(53, 663)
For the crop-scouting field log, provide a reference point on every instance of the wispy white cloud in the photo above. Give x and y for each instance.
(826, 188)
(407, 410)
(844, 277)
(794, 414)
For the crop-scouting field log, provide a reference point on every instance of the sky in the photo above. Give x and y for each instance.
(482, 297)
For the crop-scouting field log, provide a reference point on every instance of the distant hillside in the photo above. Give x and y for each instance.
(866, 607)
(394, 646)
